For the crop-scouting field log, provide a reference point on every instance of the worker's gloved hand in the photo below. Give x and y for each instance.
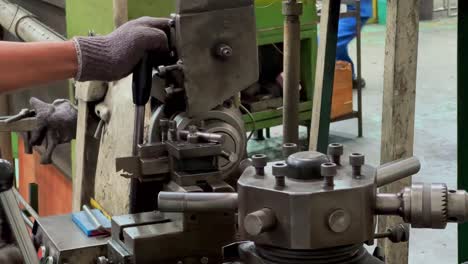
(112, 57)
(57, 125)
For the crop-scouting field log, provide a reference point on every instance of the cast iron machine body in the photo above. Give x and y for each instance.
(314, 208)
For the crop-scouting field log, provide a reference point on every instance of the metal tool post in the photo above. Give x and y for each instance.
(292, 9)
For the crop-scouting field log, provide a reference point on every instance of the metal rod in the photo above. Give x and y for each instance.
(387, 204)
(25, 25)
(291, 70)
(93, 218)
(358, 66)
(397, 170)
(27, 221)
(197, 202)
(26, 205)
(21, 233)
(139, 127)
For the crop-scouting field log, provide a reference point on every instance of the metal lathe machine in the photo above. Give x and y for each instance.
(194, 195)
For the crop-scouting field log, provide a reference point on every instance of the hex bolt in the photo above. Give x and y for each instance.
(164, 126)
(356, 160)
(335, 150)
(259, 161)
(280, 171)
(259, 221)
(289, 149)
(328, 172)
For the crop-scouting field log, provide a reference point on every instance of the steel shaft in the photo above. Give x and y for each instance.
(197, 202)
(397, 170)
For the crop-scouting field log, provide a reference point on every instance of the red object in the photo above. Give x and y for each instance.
(55, 189)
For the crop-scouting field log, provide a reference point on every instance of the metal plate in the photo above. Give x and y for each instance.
(209, 80)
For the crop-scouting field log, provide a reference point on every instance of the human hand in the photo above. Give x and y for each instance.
(112, 57)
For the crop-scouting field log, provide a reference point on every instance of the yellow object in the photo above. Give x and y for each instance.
(96, 205)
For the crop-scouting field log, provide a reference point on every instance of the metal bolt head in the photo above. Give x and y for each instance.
(339, 221)
(193, 129)
(289, 149)
(280, 169)
(164, 123)
(335, 149)
(204, 260)
(102, 260)
(328, 169)
(259, 221)
(259, 160)
(356, 159)
(172, 124)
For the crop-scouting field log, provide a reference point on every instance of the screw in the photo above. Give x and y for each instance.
(192, 136)
(163, 124)
(280, 171)
(289, 149)
(224, 51)
(328, 171)
(339, 221)
(335, 150)
(172, 130)
(356, 160)
(259, 161)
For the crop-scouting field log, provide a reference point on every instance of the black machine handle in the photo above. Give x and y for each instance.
(142, 76)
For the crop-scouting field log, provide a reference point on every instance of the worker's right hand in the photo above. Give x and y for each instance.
(112, 57)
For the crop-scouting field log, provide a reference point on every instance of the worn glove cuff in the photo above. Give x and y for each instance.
(94, 60)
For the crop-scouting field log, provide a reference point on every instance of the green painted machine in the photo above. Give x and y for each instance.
(98, 16)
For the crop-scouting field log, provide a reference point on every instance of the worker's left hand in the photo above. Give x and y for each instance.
(112, 57)
(57, 125)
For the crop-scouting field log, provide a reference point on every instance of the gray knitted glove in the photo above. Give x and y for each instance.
(57, 125)
(112, 57)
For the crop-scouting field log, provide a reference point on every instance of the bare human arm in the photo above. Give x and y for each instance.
(25, 64)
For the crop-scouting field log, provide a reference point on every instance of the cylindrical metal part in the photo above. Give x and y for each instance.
(291, 71)
(328, 171)
(259, 221)
(209, 137)
(24, 25)
(197, 202)
(388, 204)
(305, 165)
(92, 218)
(172, 132)
(356, 160)
(164, 126)
(335, 150)
(457, 206)
(139, 127)
(397, 170)
(280, 171)
(289, 149)
(425, 205)
(259, 161)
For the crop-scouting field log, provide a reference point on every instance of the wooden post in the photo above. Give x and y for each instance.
(6, 151)
(325, 72)
(399, 94)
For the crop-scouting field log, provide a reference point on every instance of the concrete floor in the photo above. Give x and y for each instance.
(435, 123)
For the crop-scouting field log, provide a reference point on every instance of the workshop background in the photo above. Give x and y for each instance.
(436, 100)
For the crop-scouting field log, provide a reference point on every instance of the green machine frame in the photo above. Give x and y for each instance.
(86, 15)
